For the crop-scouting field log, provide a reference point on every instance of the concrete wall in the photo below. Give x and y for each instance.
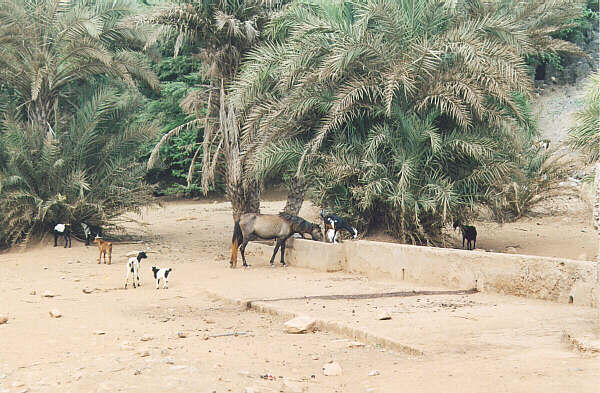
(554, 279)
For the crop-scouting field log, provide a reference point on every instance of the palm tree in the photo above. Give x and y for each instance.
(85, 170)
(328, 67)
(49, 48)
(585, 137)
(224, 31)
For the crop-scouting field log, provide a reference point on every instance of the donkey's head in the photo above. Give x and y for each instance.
(315, 232)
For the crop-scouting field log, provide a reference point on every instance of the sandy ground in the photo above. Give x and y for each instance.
(471, 343)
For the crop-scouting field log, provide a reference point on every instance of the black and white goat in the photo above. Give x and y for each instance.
(333, 224)
(63, 230)
(133, 267)
(90, 232)
(469, 234)
(161, 274)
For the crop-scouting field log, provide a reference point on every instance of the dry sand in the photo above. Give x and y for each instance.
(471, 344)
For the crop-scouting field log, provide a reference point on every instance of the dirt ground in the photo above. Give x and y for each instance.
(471, 343)
(188, 339)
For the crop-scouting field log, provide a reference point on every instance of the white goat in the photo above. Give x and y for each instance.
(133, 267)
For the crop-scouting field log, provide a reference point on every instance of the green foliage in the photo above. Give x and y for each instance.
(581, 25)
(408, 176)
(585, 135)
(52, 48)
(84, 171)
(410, 114)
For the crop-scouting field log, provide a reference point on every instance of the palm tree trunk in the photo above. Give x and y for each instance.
(244, 199)
(295, 198)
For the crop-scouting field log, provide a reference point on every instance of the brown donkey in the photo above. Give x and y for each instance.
(253, 226)
(104, 247)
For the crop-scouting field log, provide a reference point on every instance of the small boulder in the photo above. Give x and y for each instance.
(355, 344)
(99, 332)
(48, 294)
(181, 335)
(300, 324)
(54, 313)
(384, 315)
(143, 354)
(3, 319)
(33, 292)
(291, 387)
(146, 337)
(332, 369)
(373, 373)
(87, 290)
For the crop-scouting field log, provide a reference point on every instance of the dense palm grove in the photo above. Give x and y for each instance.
(401, 115)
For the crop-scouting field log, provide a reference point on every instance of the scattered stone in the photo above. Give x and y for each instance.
(143, 354)
(384, 315)
(126, 346)
(25, 390)
(62, 277)
(48, 294)
(169, 361)
(355, 344)
(99, 332)
(181, 367)
(300, 324)
(33, 292)
(137, 372)
(3, 320)
(332, 369)
(373, 373)
(291, 387)
(146, 337)
(77, 376)
(17, 384)
(181, 335)
(87, 290)
(54, 313)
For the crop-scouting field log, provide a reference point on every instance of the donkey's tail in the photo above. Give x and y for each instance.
(236, 240)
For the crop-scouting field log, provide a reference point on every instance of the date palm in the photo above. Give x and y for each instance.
(224, 31)
(49, 48)
(585, 137)
(85, 170)
(329, 67)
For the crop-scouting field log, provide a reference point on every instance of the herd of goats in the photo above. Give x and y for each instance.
(250, 226)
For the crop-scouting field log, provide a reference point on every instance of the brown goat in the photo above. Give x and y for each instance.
(104, 247)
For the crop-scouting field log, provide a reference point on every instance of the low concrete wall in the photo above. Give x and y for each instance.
(554, 279)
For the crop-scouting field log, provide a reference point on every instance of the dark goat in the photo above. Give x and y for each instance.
(333, 224)
(469, 234)
(90, 232)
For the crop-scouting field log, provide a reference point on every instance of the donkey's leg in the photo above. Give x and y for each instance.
(277, 245)
(283, 249)
(55, 238)
(242, 251)
(283, 252)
